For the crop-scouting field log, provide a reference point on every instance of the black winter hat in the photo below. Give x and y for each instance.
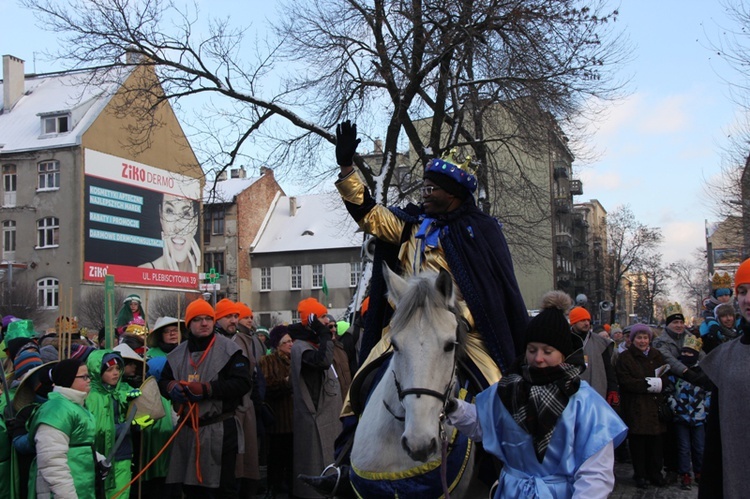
(65, 372)
(552, 328)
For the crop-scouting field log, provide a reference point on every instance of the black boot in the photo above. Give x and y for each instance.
(331, 485)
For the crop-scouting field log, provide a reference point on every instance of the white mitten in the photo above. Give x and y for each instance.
(654, 385)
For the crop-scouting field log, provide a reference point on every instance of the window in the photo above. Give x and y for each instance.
(48, 232)
(55, 124)
(355, 270)
(9, 240)
(206, 224)
(49, 175)
(296, 276)
(217, 221)
(265, 279)
(9, 185)
(295, 316)
(317, 276)
(46, 292)
(214, 261)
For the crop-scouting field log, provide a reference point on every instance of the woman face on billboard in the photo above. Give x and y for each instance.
(179, 223)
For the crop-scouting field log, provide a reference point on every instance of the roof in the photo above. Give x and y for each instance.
(321, 222)
(72, 93)
(226, 190)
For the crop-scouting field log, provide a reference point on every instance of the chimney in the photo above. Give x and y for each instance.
(222, 175)
(264, 170)
(292, 206)
(378, 146)
(13, 81)
(234, 173)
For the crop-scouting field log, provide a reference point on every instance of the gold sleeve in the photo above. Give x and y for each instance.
(379, 221)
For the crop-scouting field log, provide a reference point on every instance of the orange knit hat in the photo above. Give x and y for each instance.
(579, 314)
(743, 274)
(226, 307)
(310, 306)
(198, 307)
(244, 310)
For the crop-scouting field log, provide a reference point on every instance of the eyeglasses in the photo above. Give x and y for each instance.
(331, 326)
(426, 190)
(84, 377)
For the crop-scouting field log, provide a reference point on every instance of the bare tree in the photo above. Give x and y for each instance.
(390, 64)
(727, 192)
(91, 307)
(19, 300)
(653, 276)
(691, 279)
(166, 305)
(629, 242)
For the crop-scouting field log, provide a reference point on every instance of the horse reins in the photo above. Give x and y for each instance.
(443, 397)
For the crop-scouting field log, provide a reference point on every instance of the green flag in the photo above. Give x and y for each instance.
(325, 287)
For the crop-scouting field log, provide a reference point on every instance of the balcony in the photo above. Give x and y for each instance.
(563, 204)
(576, 187)
(560, 171)
(564, 239)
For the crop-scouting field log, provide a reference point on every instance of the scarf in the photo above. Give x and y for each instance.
(537, 397)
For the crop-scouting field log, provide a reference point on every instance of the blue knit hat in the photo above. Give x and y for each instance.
(441, 169)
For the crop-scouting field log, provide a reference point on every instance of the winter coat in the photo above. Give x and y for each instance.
(316, 422)
(109, 406)
(639, 408)
(689, 402)
(64, 434)
(247, 464)
(670, 344)
(277, 371)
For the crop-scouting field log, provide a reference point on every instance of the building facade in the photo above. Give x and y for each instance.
(80, 201)
(308, 247)
(234, 209)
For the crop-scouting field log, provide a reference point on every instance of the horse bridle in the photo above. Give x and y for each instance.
(418, 391)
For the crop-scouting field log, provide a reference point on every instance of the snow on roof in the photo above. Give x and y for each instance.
(71, 93)
(226, 190)
(321, 222)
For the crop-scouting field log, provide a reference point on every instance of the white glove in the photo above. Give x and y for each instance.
(654, 385)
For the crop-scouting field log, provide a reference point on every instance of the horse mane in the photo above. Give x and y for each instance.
(423, 297)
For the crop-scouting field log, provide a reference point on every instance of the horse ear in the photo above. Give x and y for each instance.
(444, 284)
(396, 284)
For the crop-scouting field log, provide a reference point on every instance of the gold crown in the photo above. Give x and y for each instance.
(615, 326)
(719, 281)
(693, 342)
(449, 156)
(672, 309)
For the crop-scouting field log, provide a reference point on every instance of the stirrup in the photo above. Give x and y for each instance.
(333, 466)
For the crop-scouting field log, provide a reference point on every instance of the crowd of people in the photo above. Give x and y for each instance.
(200, 406)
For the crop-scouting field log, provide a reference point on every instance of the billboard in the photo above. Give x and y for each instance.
(141, 223)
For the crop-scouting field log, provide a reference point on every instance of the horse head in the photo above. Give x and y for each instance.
(425, 338)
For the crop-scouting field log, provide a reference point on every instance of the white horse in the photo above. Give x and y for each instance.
(401, 437)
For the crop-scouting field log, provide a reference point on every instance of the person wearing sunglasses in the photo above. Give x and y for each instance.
(64, 433)
(211, 372)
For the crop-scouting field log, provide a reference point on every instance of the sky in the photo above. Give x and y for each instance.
(653, 149)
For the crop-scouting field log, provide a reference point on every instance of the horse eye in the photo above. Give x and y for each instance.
(449, 346)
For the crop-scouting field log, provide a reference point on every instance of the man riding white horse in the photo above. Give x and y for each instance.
(448, 231)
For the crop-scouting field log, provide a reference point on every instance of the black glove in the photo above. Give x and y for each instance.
(346, 143)
(451, 405)
(103, 469)
(697, 378)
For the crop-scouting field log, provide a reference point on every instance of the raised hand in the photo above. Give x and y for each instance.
(346, 143)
